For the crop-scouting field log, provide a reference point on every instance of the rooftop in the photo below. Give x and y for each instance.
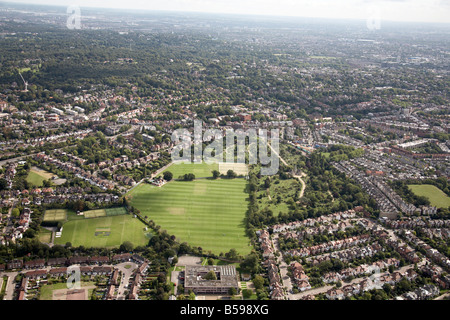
(226, 276)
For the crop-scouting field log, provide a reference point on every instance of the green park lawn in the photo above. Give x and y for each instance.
(37, 177)
(436, 196)
(206, 213)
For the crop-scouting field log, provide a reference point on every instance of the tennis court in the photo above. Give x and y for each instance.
(95, 213)
(55, 215)
(116, 211)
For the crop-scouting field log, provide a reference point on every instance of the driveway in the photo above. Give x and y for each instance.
(174, 279)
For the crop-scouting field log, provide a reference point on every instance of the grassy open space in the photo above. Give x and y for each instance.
(239, 168)
(109, 232)
(285, 189)
(437, 197)
(45, 235)
(200, 170)
(206, 213)
(47, 290)
(326, 154)
(37, 176)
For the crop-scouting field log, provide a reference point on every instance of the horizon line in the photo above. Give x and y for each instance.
(212, 12)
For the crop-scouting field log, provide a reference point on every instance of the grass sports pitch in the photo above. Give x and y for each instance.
(437, 197)
(104, 232)
(200, 170)
(206, 213)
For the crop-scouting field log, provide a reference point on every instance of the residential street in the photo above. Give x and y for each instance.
(126, 274)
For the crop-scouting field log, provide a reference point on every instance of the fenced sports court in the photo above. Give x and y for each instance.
(116, 211)
(105, 212)
(55, 215)
(95, 213)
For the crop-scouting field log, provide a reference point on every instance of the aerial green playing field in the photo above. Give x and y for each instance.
(437, 197)
(205, 213)
(37, 176)
(200, 170)
(110, 231)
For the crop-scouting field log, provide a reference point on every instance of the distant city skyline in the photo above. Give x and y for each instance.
(388, 10)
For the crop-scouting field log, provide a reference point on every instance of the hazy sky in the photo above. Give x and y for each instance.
(394, 10)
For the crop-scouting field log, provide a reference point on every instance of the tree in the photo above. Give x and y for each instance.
(47, 183)
(168, 175)
(231, 174)
(258, 282)
(215, 174)
(387, 288)
(262, 295)
(250, 263)
(3, 184)
(188, 177)
(15, 213)
(267, 183)
(246, 293)
(126, 246)
(232, 254)
(211, 275)
(232, 291)
(30, 233)
(79, 205)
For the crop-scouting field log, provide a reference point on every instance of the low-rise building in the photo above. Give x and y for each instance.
(195, 279)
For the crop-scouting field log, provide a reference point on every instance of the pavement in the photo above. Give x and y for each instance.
(302, 191)
(10, 286)
(126, 275)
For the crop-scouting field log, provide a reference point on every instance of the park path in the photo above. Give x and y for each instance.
(273, 150)
(299, 177)
(161, 170)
